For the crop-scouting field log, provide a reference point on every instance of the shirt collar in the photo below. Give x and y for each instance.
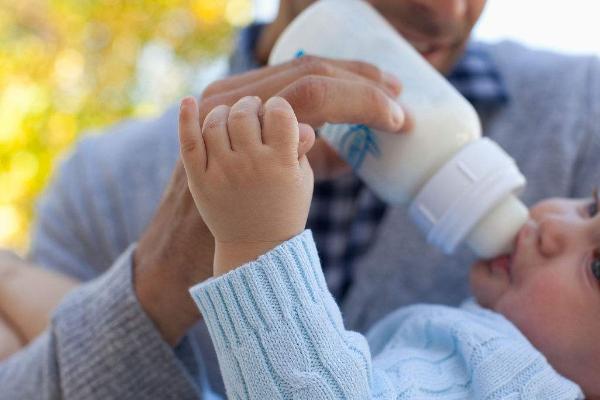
(475, 76)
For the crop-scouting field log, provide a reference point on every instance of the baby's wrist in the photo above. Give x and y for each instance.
(231, 255)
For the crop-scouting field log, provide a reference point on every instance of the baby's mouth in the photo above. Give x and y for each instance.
(506, 262)
(503, 263)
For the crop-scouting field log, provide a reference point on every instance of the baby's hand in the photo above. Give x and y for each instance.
(248, 174)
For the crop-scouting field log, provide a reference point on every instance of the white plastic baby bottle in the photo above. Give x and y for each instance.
(459, 185)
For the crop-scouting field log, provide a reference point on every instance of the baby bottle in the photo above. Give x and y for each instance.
(458, 185)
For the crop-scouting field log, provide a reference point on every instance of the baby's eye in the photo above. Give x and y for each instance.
(592, 209)
(596, 266)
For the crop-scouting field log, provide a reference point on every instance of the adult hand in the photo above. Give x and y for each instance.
(320, 90)
(176, 250)
(174, 253)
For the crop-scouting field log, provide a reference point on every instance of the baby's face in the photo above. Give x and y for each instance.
(550, 288)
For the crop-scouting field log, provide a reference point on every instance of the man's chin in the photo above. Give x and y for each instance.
(444, 60)
(441, 59)
(442, 55)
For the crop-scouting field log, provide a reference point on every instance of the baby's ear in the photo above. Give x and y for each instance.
(307, 139)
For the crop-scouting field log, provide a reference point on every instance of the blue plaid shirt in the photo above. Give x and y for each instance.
(344, 213)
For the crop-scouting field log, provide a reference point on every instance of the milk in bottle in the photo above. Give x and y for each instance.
(458, 186)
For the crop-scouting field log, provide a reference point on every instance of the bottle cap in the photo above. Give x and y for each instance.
(463, 191)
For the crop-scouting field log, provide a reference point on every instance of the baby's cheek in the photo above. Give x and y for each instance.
(542, 311)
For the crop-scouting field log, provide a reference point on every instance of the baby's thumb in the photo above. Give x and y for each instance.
(307, 139)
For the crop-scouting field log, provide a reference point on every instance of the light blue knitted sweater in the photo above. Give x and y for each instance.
(279, 335)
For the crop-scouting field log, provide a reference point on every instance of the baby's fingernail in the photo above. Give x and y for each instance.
(186, 101)
(397, 114)
(392, 82)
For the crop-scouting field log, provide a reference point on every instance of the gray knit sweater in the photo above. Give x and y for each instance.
(101, 345)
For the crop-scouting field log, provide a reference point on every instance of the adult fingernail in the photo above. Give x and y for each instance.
(409, 123)
(392, 82)
(397, 114)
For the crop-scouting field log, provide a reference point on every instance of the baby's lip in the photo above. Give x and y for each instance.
(509, 262)
(503, 263)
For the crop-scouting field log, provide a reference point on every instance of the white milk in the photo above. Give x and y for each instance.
(442, 166)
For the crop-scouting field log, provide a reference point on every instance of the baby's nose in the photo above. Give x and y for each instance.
(552, 236)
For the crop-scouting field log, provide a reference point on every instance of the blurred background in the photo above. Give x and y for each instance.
(74, 66)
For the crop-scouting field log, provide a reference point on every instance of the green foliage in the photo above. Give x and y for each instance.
(67, 66)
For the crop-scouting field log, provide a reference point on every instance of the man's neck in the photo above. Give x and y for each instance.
(288, 10)
(267, 38)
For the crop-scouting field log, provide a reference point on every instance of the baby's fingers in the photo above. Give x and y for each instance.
(307, 139)
(280, 126)
(191, 144)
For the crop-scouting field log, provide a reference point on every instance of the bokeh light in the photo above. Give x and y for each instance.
(71, 66)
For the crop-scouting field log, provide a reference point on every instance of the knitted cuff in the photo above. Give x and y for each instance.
(257, 295)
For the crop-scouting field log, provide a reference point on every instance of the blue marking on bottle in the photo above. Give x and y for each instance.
(357, 143)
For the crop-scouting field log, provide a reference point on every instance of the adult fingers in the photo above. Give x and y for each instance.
(271, 85)
(307, 65)
(193, 152)
(317, 100)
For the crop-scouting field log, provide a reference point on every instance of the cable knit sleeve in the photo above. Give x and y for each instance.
(279, 335)
(278, 331)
